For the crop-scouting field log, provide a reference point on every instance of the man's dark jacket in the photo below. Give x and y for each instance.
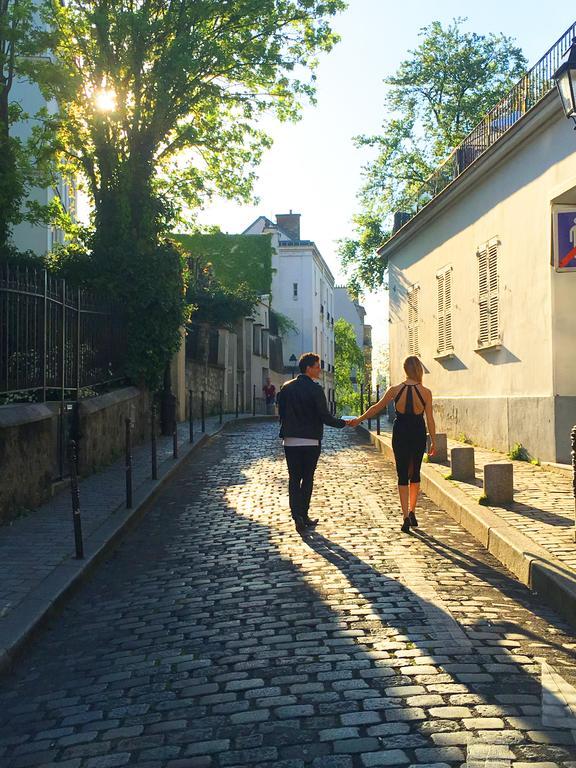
(303, 409)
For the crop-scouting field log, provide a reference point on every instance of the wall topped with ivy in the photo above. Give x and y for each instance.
(234, 258)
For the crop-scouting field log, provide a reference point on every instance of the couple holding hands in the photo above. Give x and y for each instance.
(303, 411)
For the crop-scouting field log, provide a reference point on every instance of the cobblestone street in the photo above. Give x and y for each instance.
(215, 636)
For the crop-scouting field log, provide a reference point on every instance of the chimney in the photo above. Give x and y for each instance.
(400, 218)
(289, 223)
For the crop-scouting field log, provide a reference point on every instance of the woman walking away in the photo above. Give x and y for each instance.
(411, 400)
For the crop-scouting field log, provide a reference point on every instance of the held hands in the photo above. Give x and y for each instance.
(353, 422)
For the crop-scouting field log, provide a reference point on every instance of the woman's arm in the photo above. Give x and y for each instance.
(430, 423)
(375, 409)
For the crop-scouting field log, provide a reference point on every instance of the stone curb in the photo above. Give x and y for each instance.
(532, 564)
(19, 628)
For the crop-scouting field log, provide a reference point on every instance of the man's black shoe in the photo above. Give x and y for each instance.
(310, 522)
(301, 526)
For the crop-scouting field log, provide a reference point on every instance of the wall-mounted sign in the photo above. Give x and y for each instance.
(564, 237)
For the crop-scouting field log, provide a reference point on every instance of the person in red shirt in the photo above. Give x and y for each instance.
(270, 395)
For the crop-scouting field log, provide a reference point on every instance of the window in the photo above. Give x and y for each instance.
(444, 289)
(294, 291)
(489, 333)
(413, 342)
(256, 339)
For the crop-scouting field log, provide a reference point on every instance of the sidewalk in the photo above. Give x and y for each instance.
(37, 555)
(534, 538)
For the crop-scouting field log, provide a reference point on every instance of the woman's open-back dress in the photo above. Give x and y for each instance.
(408, 436)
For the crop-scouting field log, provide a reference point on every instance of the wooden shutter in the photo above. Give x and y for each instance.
(413, 341)
(488, 295)
(444, 292)
(441, 324)
(493, 289)
(448, 308)
(483, 298)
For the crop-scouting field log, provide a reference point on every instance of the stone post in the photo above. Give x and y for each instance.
(462, 463)
(441, 455)
(499, 483)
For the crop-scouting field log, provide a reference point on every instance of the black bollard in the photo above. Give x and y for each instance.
(153, 443)
(378, 417)
(237, 399)
(221, 407)
(128, 464)
(254, 401)
(361, 398)
(190, 417)
(203, 410)
(175, 440)
(75, 491)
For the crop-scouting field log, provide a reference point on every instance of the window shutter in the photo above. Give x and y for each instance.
(413, 342)
(441, 326)
(444, 292)
(483, 298)
(448, 309)
(488, 294)
(493, 287)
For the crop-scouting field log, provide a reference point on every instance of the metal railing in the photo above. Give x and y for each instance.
(525, 95)
(55, 340)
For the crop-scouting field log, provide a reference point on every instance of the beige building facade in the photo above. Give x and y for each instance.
(475, 293)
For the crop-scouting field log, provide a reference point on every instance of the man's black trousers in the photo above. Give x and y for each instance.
(302, 461)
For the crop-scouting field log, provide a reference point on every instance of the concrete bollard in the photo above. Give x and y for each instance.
(441, 455)
(462, 463)
(499, 483)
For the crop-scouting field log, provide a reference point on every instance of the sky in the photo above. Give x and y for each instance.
(313, 167)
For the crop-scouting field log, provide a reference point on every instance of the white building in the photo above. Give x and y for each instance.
(38, 238)
(483, 280)
(303, 290)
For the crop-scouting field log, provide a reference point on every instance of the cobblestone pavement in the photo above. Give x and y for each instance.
(543, 507)
(216, 637)
(34, 544)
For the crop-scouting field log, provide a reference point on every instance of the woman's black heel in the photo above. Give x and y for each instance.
(405, 526)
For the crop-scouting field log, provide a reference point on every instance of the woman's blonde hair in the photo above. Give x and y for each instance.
(413, 368)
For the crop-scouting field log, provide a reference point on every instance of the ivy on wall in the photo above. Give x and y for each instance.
(234, 259)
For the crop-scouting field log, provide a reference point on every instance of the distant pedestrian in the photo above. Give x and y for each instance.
(303, 411)
(270, 396)
(412, 401)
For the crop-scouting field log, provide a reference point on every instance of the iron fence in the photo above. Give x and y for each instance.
(55, 340)
(525, 95)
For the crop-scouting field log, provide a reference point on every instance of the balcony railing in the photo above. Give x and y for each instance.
(525, 95)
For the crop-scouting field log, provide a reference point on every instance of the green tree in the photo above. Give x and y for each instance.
(23, 162)
(348, 360)
(159, 108)
(434, 100)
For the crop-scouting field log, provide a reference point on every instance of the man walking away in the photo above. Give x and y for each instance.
(303, 411)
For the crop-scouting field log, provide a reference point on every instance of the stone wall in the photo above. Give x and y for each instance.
(102, 426)
(210, 379)
(27, 457)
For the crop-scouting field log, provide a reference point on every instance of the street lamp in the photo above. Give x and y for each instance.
(565, 77)
(293, 360)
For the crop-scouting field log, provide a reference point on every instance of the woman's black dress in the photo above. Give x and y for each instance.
(408, 437)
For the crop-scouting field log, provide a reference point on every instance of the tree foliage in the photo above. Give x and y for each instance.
(434, 100)
(24, 162)
(159, 105)
(348, 359)
(234, 258)
(212, 302)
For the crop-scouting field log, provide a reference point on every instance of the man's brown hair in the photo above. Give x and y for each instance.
(306, 360)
